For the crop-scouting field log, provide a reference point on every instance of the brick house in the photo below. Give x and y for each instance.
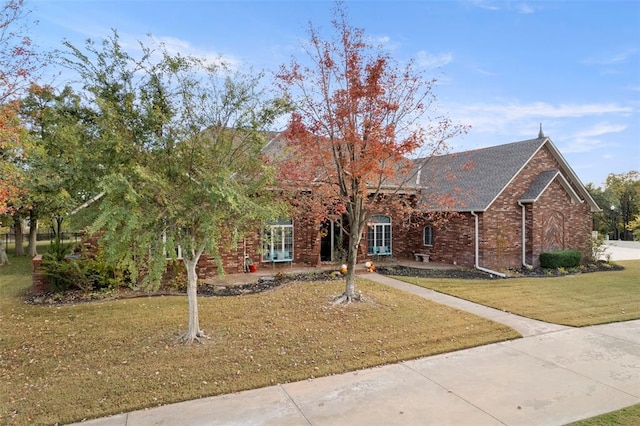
(511, 203)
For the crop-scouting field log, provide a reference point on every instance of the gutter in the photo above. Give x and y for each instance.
(477, 251)
(524, 235)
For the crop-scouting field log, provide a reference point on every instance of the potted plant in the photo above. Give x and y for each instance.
(252, 266)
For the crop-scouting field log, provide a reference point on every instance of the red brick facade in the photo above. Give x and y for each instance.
(555, 220)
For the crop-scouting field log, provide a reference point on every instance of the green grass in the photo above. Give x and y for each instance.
(574, 300)
(629, 416)
(66, 363)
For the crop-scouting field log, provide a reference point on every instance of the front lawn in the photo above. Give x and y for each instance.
(575, 300)
(66, 363)
(629, 416)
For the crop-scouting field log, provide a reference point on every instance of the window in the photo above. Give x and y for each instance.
(428, 235)
(277, 241)
(379, 236)
(178, 248)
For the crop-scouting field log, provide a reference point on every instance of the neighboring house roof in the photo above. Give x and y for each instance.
(472, 180)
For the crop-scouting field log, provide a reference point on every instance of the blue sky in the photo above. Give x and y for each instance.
(502, 67)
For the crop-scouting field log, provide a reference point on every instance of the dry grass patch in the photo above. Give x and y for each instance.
(629, 416)
(575, 300)
(67, 363)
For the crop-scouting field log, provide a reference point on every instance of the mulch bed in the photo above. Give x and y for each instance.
(207, 290)
(267, 283)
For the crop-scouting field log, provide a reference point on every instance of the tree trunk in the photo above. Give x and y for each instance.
(356, 226)
(194, 332)
(17, 226)
(33, 234)
(4, 259)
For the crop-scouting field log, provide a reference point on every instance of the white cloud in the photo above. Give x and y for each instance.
(571, 123)
(591, 138)
(611, 59)
(175, 46)
(520, 7)
(524, 8)
(600, 129)
(427, 60)
(509, 112)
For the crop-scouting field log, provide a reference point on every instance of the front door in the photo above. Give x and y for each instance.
(328, 241)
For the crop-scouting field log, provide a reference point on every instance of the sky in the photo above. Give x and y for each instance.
(503, 67)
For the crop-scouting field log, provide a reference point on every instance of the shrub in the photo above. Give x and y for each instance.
(560, 259)
(55, 268)
(64, 273)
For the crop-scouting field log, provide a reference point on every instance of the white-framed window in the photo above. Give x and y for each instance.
(277, 241)
(379, 235)
(178, 248)
(427, 234)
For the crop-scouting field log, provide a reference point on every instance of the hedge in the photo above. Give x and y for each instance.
(560, 259)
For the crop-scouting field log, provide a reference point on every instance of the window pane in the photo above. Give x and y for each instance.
(379, 235)
(428, 235)
(277, 240)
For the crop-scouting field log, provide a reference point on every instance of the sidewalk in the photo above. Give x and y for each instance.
(552, 376)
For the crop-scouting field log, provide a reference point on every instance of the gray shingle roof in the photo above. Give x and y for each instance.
(472, 179)
(539, 184)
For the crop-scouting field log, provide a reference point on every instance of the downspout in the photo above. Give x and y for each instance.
(477, 250)
(524, 237)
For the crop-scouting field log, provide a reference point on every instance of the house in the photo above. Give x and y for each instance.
(509, 202)
(504, 204)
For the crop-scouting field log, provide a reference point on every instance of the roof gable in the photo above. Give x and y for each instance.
(472, 180)
(542, 182)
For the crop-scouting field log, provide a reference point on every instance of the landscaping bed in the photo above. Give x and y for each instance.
(206, 290)
(473, 274)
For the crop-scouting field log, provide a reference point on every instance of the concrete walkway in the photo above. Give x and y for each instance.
(552, 376)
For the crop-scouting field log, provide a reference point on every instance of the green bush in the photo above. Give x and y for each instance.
(560, 259)
(57, 270)
(85, 274)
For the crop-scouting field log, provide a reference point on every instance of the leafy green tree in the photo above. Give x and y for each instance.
(181, 140)
(625, 190)
(60, 176)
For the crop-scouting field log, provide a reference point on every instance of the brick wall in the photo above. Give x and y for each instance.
(39, 282)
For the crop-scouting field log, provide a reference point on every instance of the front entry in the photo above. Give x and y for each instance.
(328, 243)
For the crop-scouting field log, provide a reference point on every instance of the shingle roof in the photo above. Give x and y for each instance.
(472, 179)
(539, 184)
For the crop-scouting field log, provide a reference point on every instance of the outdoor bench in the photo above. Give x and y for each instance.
(421, 257)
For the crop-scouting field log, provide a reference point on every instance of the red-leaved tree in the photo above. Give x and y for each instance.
(19, 62)
(359, 116)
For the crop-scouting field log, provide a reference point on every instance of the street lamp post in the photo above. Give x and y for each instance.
(614, 222)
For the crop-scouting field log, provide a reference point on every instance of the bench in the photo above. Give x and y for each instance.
(421, 257)
(279, 257)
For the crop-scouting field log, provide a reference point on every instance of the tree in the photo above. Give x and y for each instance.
(358, 117)
(188, 176)
(60, 175)
(625, 190)
(19, 62)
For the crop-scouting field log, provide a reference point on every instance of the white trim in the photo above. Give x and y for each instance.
(372, 227)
